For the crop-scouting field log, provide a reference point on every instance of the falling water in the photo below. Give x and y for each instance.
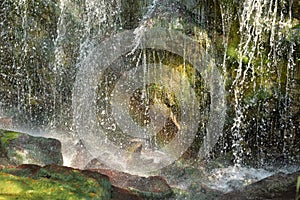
(258, 20)
(48, 51)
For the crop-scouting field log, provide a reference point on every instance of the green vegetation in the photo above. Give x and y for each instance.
(6, 136)
(51, 184)
(13, 187)
(298, 189)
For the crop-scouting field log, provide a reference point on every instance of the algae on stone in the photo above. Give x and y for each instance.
(52, 183)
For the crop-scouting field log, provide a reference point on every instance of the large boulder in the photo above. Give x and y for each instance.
(19, 148)
(58, 182)
(52, 182)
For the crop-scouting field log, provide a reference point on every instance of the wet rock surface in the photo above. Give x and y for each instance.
(180, 180)
(52, 182)
(59, 182)
(277, 186)
(186, 180)
(19, 148)
(6, 122)
(127, 186)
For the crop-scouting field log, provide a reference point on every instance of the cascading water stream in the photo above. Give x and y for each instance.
(74, 69)
(257, 20)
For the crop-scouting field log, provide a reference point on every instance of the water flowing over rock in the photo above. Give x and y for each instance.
(142, 85)
(278, 186)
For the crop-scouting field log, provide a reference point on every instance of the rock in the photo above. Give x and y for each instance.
(196, 191)
(52, 182)
(6, 122)
(82, 157)
(19, 148)
(59, 182)
(96, 164)
(127, 186)
(278, 186)
(186, 180)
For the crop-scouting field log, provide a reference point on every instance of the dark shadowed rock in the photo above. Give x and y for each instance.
(278, 186)
(127, 186)
(20, 148)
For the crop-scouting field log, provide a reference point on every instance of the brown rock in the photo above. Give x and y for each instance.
(127, 186)
(6, 122)
(123, 185)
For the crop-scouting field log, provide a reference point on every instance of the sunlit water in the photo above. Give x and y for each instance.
(233, 178)
(257, 19)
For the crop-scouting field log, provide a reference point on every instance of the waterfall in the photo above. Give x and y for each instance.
(71, 65)
(263, 28)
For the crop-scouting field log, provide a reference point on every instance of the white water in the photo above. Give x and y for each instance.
(259, 19)
(234, 178)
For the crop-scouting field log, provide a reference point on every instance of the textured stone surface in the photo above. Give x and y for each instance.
(127, 186)
(19, 148)
(58, 182)
(278, 186)
(52, 182)
(6, 122)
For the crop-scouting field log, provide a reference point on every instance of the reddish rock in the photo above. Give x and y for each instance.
(127, 186)
(120, 185)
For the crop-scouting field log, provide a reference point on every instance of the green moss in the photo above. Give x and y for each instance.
(6, 136)
(52, 185)
(13, 187)
(181, 194)
(298, 188)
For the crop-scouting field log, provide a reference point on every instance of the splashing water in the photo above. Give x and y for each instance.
(258, 19)
(38, 84)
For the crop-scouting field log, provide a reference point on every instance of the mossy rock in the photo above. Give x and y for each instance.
(19, 148)
(52, 182)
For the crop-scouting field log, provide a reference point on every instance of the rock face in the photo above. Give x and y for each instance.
(278, 186)
(132, 187)
(52, 182)
(20, 148)
(58, 182)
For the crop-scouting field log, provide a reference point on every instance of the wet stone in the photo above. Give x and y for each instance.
(277, 186)
(127, 186)
(19, 148)
(52, 182)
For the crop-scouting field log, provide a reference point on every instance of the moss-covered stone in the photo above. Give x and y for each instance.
(52, 182)
(7, 136)
(19, 148)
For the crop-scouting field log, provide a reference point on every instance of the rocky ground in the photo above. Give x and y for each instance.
(31, 168)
